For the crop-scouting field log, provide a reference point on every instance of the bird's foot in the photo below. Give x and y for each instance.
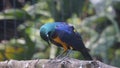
(95, 63)
(59, 56)
(60, 60)
(65, 60)
(54, 60)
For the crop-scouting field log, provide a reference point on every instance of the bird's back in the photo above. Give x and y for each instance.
(73, 39)
(70, 37)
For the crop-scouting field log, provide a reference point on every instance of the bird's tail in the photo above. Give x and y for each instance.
(86, 54)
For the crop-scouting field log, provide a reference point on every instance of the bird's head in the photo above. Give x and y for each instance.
(46, 30)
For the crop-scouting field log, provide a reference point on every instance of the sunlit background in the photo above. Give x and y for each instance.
(98, 22)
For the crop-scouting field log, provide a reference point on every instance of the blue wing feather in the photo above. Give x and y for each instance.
(67, 35)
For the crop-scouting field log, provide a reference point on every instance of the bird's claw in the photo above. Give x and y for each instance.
(54, 60)
(95, 63)
(61, 60)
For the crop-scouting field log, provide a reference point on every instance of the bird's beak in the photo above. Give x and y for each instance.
(48, 40)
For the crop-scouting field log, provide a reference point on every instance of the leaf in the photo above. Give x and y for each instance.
(39, 8)
(14, 14)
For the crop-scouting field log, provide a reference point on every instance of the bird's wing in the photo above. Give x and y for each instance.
(66, 34)
(73, 39)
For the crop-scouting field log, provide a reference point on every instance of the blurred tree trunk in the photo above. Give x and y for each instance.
(58, 63)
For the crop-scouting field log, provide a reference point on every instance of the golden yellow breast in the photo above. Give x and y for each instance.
(64, 45)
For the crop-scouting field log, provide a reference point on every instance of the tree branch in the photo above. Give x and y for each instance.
(56, 63)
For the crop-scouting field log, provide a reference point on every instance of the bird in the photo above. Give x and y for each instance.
(64, 35)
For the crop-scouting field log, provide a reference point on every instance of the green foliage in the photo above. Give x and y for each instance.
(100, 31)
(61, 10)
(14, 14)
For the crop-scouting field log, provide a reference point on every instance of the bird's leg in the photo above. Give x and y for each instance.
(61, 55)
(67, 54)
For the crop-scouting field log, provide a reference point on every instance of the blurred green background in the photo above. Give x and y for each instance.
(98, 21)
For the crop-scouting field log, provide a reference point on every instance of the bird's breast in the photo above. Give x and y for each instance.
(58, 40)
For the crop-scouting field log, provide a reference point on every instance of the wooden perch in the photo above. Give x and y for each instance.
(58, 63)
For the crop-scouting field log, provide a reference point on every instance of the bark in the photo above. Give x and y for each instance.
(55, 63)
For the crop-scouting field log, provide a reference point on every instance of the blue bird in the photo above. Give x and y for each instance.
(63, 35)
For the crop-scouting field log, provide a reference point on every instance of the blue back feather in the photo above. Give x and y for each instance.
(66, 34)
